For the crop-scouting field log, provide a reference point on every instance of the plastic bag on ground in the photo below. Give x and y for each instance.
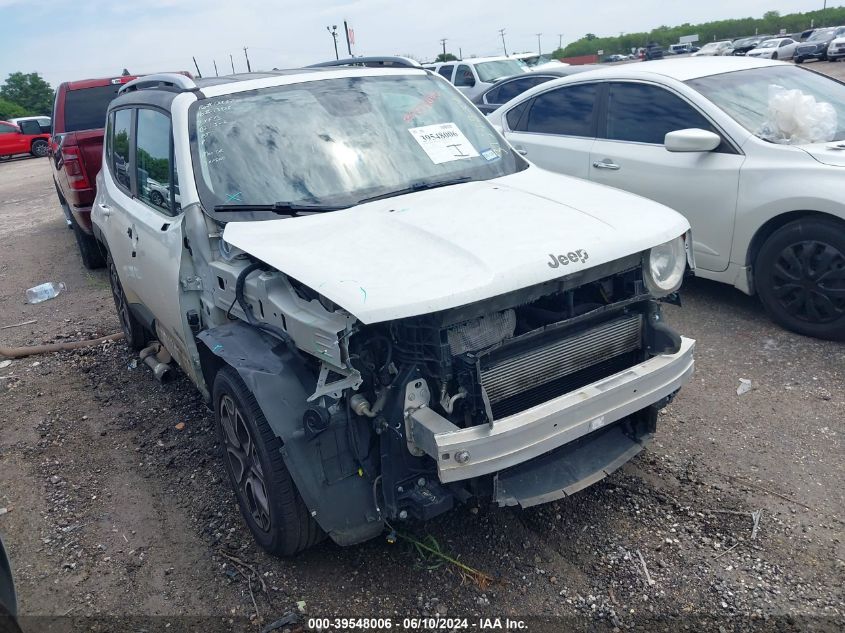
(795, 118)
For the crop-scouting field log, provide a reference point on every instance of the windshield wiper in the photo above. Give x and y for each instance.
(282, 208)
(417, 186)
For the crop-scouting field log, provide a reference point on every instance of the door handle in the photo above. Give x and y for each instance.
(606, 164)
(521, 151)
(105, 209)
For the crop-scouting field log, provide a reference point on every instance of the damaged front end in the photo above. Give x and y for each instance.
(519, 399)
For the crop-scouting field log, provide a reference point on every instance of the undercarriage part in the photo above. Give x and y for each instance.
(23, 352)
(157, 358)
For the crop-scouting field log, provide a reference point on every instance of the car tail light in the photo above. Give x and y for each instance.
(74, 169)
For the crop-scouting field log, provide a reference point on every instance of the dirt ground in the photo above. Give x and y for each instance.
(118, 520)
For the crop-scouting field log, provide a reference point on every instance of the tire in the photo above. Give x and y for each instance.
(89, 250)
(800, 277)
(269, 501)
(774, 55)
(39, 148)
(134, 332)
(156, 198)
(799, 60)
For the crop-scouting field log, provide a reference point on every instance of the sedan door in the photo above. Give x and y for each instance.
(556, 128)
(629, 154)
(786, 49)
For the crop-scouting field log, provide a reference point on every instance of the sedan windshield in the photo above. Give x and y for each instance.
(336, 142)
(489, 72)
(769, 44)
(747, 96)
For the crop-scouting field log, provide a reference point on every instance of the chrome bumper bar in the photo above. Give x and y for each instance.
(462, 453)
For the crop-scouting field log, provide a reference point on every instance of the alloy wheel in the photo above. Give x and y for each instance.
(809, 281)
(244, 462)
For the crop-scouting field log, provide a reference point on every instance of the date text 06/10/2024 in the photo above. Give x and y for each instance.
(414, 624)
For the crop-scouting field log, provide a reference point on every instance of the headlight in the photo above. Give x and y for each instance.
(664, 267)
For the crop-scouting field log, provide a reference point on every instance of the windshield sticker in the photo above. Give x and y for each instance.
(443, 142)
(489, 155)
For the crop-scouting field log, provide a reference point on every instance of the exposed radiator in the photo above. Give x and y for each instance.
(529, 368)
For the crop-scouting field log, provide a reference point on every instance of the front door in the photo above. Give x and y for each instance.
(629, 154)
(144, 222)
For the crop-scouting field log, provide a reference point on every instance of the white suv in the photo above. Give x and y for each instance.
(388, 308)
(474, 75)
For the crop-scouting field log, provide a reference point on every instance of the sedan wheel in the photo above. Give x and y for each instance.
(801, 277)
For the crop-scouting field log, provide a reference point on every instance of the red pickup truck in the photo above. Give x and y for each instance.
(76, 151)
(24, 139)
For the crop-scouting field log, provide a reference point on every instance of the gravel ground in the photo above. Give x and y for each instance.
(118, 515)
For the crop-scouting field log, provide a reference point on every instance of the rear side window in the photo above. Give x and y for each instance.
(515, 114)
(446, 71)
(640, 113)
(7, 129)
(118, 146)
(463, 76)
(566, 111)
(153, 151)
(516, 87)
(85, 109)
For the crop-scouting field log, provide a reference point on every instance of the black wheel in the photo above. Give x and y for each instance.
(799, 60)
(136, 335)
(39, 148)
(267, 496)
(775, 55)
(156, 198)
(800, 277)
(89, 250)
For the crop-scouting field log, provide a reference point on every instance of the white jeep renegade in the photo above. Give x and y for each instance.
(389, 309)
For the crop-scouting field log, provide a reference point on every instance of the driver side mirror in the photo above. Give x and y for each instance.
(691, 140)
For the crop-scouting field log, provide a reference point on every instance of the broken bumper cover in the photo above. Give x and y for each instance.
(463, 453)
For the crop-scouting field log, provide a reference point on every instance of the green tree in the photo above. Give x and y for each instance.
(771, 15)
(590, 36)
(448, 57)
(29, 91)
(10, 110)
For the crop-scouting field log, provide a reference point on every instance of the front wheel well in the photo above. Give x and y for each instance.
(765, 231)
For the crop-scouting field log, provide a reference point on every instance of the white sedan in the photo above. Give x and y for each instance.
(751, 151)
(775, 48)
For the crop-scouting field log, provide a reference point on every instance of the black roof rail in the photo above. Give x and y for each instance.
(168, 81)
(393, 61)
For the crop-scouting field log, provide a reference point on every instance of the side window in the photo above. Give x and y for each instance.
(119, 147)
(515, 114)
(446, 71)
(492, 96)
(645, 114)
(153, 160)
(516, 87)
(463, 76)
(7, 129)
(566, 111)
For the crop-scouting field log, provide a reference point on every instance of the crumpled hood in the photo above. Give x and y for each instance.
(832, 153)
(438, 249)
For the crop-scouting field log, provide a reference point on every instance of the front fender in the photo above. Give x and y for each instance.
(338, 498)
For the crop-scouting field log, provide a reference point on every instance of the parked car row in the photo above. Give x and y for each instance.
(764, 202)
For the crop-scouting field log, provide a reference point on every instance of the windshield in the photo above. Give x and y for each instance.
(745, 94)
(819, 36)
(711, 45)
(768, 44)
(335, 142)
(489, 72)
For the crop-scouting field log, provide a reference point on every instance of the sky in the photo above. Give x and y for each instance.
(76, 39)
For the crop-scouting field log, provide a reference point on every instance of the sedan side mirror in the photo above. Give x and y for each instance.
(691, 140)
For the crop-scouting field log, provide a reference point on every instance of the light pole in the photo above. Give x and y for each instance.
(560, 40)
(443, 43)
(333, 30)
(539, 47)
(502, 33)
